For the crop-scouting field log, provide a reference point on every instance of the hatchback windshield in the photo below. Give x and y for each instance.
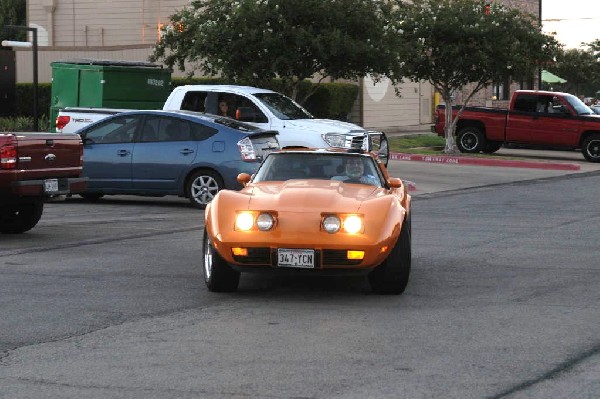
(283, 107)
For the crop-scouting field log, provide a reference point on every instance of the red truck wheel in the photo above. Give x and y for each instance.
(19, 218)
(471, 140)
(591, 148)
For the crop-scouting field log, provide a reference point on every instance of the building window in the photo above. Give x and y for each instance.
(500, 91)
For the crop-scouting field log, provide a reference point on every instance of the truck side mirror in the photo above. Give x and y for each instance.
(245, 114)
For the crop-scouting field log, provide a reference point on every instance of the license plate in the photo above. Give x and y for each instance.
(301, 258)
(51, 185)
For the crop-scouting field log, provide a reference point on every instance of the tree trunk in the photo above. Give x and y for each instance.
(449, 128)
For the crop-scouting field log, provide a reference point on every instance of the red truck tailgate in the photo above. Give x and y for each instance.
(40, 154)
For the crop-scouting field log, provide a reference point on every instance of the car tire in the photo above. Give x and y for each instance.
(591, 148)
(218, 275)
(91, 196)
(19, 218)
(391, 277)
(202, 186)
(470, 140)
(492, 146)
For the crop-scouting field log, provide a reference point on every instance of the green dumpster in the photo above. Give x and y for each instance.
(108, 84)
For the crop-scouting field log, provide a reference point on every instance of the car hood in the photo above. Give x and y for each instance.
(325, 126)
(306, 196)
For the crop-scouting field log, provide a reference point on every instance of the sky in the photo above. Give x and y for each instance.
(574, 21)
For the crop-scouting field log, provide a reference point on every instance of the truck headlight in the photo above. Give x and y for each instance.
(335, 140)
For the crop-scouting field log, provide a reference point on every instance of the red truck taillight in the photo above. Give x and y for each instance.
(8, 157)
(61, 121)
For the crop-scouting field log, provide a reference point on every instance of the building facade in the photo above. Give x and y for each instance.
(127, 30)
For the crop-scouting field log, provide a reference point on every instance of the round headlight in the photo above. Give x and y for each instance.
(331, 224)
(244, 221)
(265, 221)
(353, 224)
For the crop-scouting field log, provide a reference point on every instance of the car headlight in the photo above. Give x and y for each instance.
(265, 221)
(335, 139)
(352, 224)
(332, 224)
(244, 221)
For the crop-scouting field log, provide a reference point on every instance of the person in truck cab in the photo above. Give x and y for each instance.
(223, 108)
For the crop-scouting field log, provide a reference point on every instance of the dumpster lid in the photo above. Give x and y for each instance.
(90, 61)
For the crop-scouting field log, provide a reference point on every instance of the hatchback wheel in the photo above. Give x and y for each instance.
(202, 186)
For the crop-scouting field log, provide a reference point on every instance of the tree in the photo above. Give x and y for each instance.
(465, 45)
(13, 13)
(580, 68)
(255, 41)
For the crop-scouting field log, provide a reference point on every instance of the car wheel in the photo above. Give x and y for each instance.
(491, 147)
(391, 277)
(218, 275)
(19, 218)
(591, 148)
(202, 186)
(91, 196)
(471, 140)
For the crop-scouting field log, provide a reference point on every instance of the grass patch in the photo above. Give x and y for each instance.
(417, 144)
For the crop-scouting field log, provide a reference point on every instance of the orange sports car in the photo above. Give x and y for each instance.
(315, 211)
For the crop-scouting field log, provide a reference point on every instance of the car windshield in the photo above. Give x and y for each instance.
(283, 107)
(578, 105)
(351, 168)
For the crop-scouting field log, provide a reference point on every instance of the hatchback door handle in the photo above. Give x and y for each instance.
(186, 151)
(123, 153)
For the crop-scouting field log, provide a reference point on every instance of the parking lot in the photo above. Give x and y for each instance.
(106, 300)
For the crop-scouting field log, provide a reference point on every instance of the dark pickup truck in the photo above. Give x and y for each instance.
(542, 119)
(34, 167)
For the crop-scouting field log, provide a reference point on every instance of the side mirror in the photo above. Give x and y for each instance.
(245, 114)
(394, 182)
(244, 178)
(377, 143)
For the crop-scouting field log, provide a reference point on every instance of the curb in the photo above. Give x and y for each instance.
(483, 161)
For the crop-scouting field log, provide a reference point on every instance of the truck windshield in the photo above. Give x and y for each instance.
(283, 107)
(579, 105)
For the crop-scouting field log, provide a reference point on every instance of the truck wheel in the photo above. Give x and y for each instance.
(19, 218)
(218, 275)
(491, 147)
(591, 148)
(202, 186)
(391, 277)
(471, 140)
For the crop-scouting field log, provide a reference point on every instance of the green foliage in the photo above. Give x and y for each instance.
(24, 99)
(256, 41)
(23, 124)
(328, 100)
(13, 13)
(581, 69)
(452, 43)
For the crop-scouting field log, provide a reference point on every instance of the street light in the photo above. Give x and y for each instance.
(34, 45)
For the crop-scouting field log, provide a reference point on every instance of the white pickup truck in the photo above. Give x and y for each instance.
(264, 108)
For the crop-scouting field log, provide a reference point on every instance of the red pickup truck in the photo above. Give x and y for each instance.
(33, 167)
(542, 119)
